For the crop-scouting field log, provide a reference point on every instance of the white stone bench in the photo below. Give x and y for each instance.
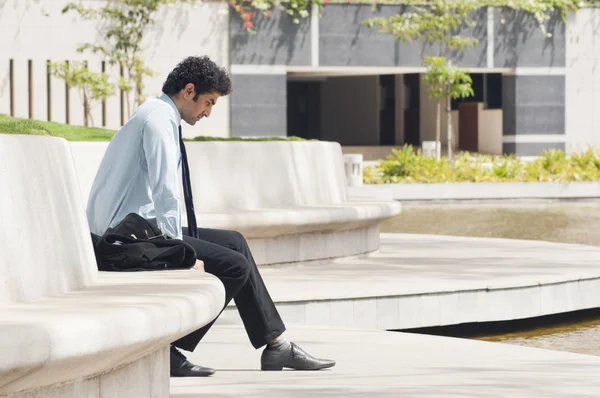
(289, 199)
(67, 330)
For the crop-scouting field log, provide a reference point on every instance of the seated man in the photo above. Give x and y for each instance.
(138, 174)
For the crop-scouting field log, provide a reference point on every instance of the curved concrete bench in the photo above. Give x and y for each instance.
(67, 330)
(289, 199)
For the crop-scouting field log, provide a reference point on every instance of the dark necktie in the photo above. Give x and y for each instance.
(187, 190)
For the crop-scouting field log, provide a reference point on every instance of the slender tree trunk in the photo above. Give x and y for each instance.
(130, 92)
(138, 95)
(86, 109)
(128, 97)
(449, 118)
(437, 130)
(91, 119)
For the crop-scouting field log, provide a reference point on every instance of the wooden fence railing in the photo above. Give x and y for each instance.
(41, 82)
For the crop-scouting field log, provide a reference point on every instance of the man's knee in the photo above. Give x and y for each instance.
(233, 271)
(236, 241)
(241, 268)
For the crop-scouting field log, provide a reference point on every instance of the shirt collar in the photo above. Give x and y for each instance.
(169, 101)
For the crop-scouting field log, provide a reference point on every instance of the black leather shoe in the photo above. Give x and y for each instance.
(295, 358)
(181, 367)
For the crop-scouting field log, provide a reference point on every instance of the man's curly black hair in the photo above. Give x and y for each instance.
(203, 73)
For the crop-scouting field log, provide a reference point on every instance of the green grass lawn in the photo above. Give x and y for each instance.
(13, 125)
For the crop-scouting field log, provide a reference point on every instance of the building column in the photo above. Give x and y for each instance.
(258, 101)
(533, 103)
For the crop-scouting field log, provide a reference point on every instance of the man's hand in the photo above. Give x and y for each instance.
(199, 266)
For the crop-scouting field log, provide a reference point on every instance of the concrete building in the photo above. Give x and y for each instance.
(333, 78)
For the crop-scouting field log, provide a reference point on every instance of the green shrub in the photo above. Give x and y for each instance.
(410, 166)
(507, 168)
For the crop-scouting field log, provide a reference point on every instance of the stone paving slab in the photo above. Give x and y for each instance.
(390, 364)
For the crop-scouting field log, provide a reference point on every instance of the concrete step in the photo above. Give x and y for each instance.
(423, 280)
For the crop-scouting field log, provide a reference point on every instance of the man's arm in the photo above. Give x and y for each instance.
(161, 151)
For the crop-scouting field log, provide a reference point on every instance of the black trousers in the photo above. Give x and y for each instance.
(227, 256)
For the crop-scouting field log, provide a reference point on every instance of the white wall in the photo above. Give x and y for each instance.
(33, 29)
(428, 109)
(489, 127)
(583, 79)
(350, 110)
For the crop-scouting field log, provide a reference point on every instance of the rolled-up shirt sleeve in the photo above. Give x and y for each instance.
(161, 149)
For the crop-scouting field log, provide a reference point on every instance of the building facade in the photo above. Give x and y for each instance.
(333, 78)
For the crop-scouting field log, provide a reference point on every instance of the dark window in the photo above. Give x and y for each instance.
(493, 98)
(487, 88)
(387, 113)
(304, 109)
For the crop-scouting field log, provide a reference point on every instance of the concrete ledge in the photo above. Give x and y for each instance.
(145, 377)
(303, 247)
(275, 222)
(422, 280)
(100, 328)
(278, 236)
(478, 191)
(408, 311)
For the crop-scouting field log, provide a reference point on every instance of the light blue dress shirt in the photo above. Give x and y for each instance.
(138, 173)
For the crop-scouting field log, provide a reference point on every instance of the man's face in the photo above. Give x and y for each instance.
(192, 111)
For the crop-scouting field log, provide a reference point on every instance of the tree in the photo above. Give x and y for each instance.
(124, 23)
(439, 22)
(92, 86)
(446, 82)
(436, 22)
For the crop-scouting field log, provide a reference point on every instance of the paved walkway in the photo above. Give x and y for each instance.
(424, 280)
(413, 281)
(390, 364)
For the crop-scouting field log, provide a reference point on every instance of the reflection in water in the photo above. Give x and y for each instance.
(582, 338)
(554, 222)
(564, 222)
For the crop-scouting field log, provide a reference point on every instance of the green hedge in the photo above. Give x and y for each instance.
(408, 166)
